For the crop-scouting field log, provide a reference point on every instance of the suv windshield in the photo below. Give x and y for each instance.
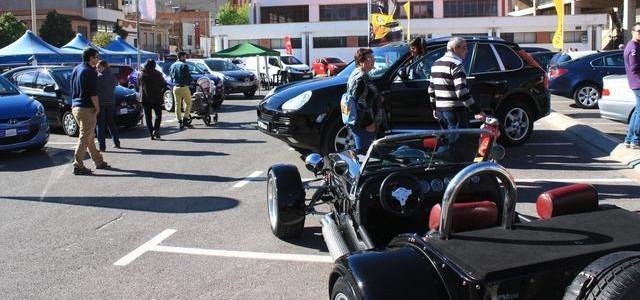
(385, 57)
(221, 65)
(428, 150)
(6, 88)
(290, 60)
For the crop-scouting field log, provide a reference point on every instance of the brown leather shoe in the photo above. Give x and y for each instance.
(103, 165)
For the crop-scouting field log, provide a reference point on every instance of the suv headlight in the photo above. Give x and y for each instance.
(228, 78)
(40, 111)
(296, 102)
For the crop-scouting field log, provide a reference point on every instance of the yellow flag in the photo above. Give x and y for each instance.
(558, 37)
(407, 9)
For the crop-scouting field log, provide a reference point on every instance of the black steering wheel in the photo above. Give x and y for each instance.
(400, 194)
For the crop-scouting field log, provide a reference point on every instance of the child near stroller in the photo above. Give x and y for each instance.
(202, 106)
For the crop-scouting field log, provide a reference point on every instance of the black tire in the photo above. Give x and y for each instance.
(207, 120)
(285, 201)
(250, 93)
(70, 125)
(516, 123)
(586, 95)
(621, 282)
(217, 101)
(343, 289)
(337, 138)
(167, 99)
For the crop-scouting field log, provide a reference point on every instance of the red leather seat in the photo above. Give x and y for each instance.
(467, 216)
(571, 199)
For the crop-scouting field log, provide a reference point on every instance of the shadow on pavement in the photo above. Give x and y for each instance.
(161, 175)
(230, 126)
(34, 160)
(217, 141)
(529, 192)
(171, 152)
(234, 108)
(311, 238)
(147, 203)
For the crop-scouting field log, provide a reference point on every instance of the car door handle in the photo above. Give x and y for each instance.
(497, 82)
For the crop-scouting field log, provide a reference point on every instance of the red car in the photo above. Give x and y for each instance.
(328, 66)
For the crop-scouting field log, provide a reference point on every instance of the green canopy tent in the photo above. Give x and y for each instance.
(248, 50)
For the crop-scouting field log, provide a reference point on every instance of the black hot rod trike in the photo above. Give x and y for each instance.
(431, 215)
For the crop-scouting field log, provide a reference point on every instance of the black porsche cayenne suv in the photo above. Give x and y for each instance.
(504, 81)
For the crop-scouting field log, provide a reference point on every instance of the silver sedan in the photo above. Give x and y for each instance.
(617, 100)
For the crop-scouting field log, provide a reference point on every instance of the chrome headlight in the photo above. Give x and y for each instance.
(296, 102)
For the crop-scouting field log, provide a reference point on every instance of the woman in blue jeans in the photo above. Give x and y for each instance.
(632, 140)
(366, 95)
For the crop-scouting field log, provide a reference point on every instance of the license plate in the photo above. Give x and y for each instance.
(124, 111)
(10, 132)
(263, 125)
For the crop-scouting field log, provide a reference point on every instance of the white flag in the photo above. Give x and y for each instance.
(147, 9)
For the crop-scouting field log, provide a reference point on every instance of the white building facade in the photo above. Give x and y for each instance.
(338, 27)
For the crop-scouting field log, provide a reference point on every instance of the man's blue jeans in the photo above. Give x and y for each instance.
(633, 133)
(453, 119)
(362, 138)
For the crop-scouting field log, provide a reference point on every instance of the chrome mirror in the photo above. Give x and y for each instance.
(314, 163)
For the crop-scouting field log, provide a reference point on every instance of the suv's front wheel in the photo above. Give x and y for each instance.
(338, 138)
(167, 98)
(517, 123)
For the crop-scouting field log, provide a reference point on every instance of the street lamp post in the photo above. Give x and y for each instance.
(34, 25)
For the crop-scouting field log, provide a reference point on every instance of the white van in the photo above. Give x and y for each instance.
(289, 66)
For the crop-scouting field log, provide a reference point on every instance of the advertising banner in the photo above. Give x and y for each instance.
(383, 25)
(558, 37)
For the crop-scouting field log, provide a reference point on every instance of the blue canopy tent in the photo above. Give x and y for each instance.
(121, 47)
(79, 43)
(30, 49)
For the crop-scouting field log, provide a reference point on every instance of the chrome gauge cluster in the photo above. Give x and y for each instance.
(437, 185)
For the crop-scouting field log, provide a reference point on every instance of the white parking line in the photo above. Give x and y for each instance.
(127, 259)
(62, 143)
(153, 245)
(247, 179)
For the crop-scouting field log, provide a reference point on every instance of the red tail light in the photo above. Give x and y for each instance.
(606, 92)
(557, 72)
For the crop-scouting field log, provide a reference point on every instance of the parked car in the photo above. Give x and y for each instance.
(618, 100)
(543, 58)
(306, 115)
(291, 68)
(329, 66)
(196, 73)
(239, 63)
(236, 80)
(51, 86)
(23, 122)
(123, 74)
(534, 49)
(581, 78)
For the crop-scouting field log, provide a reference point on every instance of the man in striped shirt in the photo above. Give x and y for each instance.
(448, 92)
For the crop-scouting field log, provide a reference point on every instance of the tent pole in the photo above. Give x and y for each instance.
(138, 34)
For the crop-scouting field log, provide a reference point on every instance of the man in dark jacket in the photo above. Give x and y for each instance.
(152, 85)
(85, 108)
(106, 119)
(181, 79)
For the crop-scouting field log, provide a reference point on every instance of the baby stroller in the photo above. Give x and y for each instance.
(202, 105)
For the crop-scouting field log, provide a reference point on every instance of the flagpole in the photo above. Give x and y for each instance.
(138, 31)
(369, 23)
(34, 26)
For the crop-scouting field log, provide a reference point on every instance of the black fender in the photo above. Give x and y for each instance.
(290, 192)
(395, 273)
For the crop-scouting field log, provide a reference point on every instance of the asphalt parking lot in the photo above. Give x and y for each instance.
(185, 217)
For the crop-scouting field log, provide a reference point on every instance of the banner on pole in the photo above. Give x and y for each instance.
(288, 48)
(558, 37)
(383, 26)
(407, 10)
(147, 9)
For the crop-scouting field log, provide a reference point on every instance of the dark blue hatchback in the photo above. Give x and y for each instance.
(23, 122)
(581, 78)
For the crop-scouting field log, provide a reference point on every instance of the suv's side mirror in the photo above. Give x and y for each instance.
(340, 167)
(403, 74)
(49, 88)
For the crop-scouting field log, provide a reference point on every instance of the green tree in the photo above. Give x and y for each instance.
(10, 29)
(102, 39)
(231, 15)
(56, 29)
(120, 32)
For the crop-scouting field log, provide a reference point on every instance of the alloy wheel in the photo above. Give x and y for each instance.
(272, 203)
(588, 96)
(168, 101)
(340, 296)
(516, 123)
(70, 124)
(344, 139)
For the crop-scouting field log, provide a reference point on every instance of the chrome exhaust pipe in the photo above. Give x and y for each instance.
(332, 237)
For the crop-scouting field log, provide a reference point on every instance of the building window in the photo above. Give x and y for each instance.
(330, 42)
(363, 41)
(102, 26)
(343, 12)
(108, 4)
(284, 14)
(470, 8)
(189, 40)
(296, 43)
(419, 10)
(573, 36)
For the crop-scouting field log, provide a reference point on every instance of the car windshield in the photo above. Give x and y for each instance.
(425, 150)
(290, 60)
(221, 65)
(194, 69)
(6, 88)
(385, 57)
(165, 67)
(333, 60)
(63, 78)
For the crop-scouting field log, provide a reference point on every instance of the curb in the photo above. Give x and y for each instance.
(596, 138)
